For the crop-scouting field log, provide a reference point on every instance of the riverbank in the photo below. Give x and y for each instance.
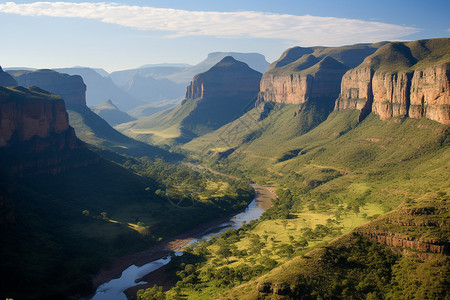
(263, 196)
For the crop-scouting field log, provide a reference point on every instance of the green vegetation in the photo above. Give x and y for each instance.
(95, 131)
(330, 180)
(66, 227)
(409, 56)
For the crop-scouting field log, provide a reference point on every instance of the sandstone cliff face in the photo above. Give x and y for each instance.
(415, 89)
(229, 78)
(296, 85)
(35, 136)
(71, 88)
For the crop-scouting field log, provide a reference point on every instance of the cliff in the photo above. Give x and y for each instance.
(401, 80)
(35, 136)
(6, 79)
(71, 88)
(221, 94)
(310, 77)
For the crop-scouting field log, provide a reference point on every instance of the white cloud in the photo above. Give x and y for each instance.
(305, 30)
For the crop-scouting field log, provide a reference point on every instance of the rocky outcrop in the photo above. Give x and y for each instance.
(35, 136)
(310, 80)
(413, 87)
(6, 79)
(219, 95)
(71, 88)
(229, 78)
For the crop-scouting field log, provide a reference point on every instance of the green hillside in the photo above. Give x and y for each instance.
(390, 175)
(95, 131)
(409, 56)
(214, 98)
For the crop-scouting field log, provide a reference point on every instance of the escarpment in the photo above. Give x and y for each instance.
(415, 84)
(311, 76)
(35, 136)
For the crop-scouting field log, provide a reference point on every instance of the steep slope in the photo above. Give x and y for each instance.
(214, 98)
(111, 113)
(88, 126)
(100, 88)
(401, 80)
(147, 110)
(6, 79)
(35, 136)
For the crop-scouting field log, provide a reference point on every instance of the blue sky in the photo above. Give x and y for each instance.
(126, 34)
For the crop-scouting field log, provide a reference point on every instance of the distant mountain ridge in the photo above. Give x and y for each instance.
(215, 97)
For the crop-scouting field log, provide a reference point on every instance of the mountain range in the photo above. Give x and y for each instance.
(355, 140)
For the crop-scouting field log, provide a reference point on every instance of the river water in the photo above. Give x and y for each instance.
(113, 290)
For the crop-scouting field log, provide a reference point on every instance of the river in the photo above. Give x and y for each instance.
(113, 289)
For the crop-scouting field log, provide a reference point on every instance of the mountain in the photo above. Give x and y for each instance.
(65, 212)
(366, 189)
(403, 79)
(100, 88)
(6, 79)
(35, 136)
(151, 90)
(88, 126)
(111, 113)
(221, 94)
(184, 74)
(71, 88)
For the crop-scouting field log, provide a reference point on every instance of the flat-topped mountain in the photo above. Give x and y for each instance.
(35, 136)
(111, 113)
(215, 97)
(404, 79)
(71, 88)
(100, 88)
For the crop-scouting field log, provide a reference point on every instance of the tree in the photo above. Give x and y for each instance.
(224, 251)
(256, 245)
(153, 293)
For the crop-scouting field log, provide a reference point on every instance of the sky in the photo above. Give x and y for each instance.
(127, 34)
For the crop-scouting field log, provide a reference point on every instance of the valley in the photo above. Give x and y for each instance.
(324, 175)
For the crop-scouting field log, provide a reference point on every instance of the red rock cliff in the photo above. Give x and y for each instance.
(35, 136)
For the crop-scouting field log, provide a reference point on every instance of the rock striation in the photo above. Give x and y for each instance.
(35, 136)
(401, 80)
(310, 77)
(70, 87)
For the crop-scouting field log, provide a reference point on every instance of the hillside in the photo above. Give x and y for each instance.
(111, 113)
(88, 126)
(213, 98)
(362, 204)
(65, 212)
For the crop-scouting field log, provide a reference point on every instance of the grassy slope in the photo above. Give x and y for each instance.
(409, 56)
(162, 127)
(66, 226)
(376, 165)
(93, 130)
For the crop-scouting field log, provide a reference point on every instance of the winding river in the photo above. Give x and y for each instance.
(113, 289)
